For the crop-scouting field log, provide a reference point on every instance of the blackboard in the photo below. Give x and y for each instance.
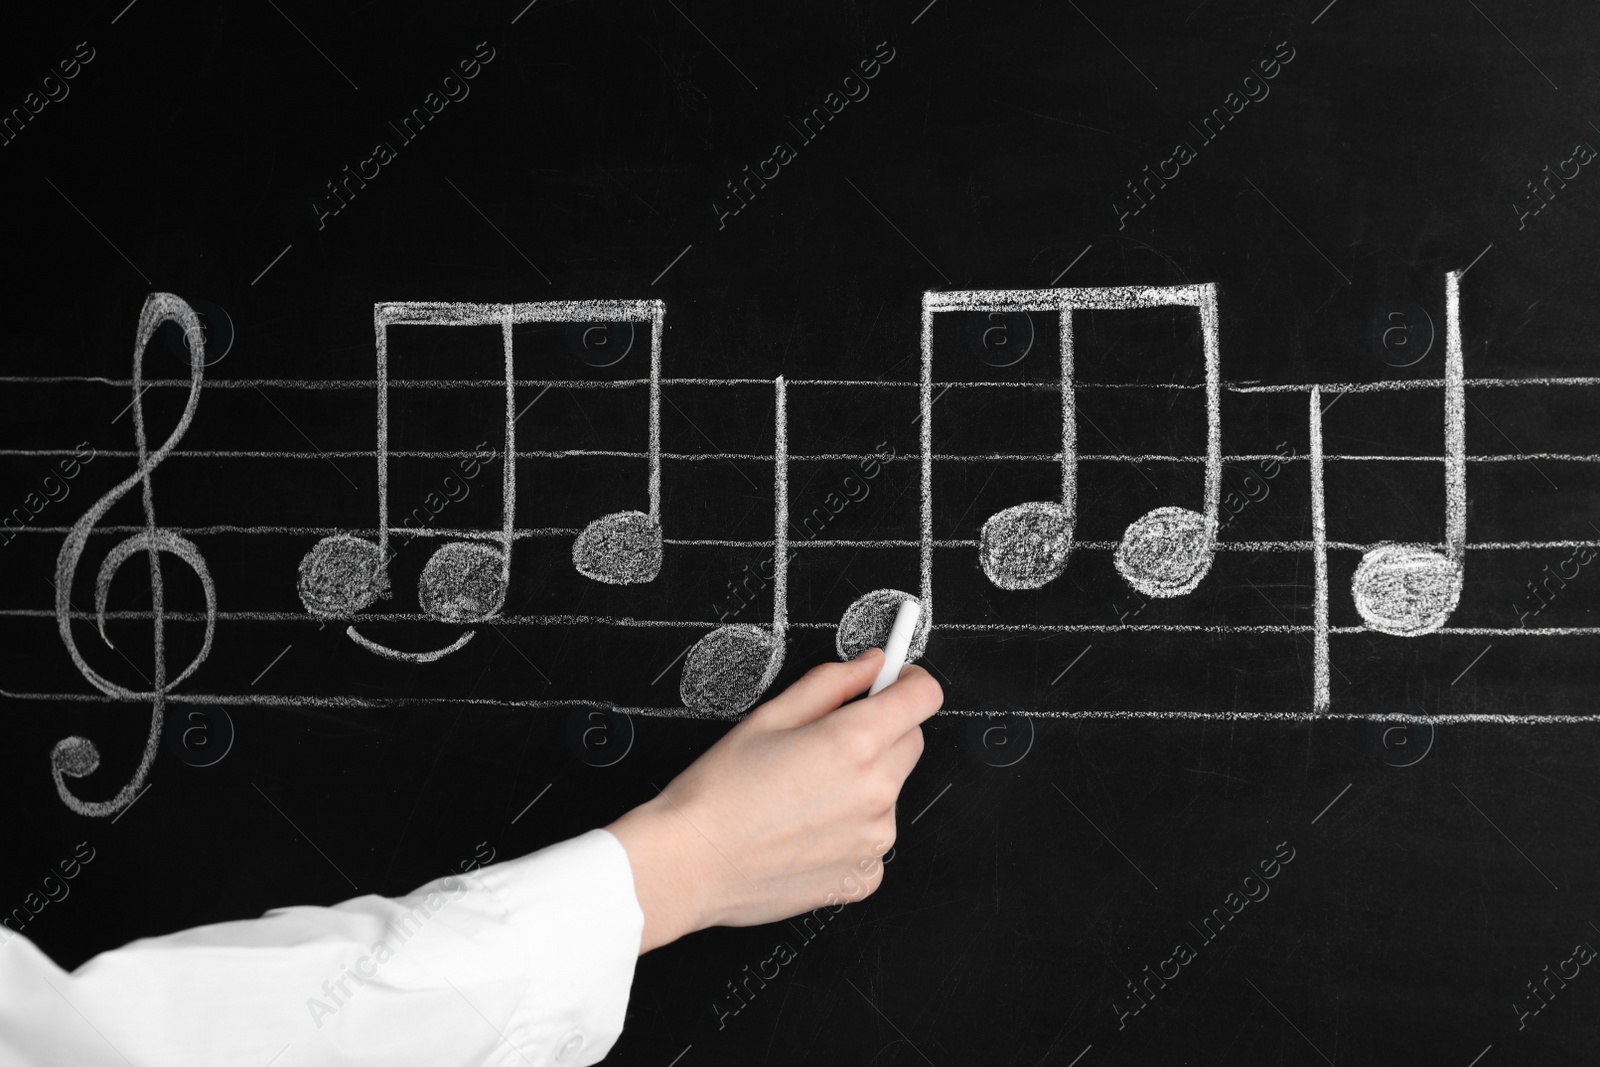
(1149, 828)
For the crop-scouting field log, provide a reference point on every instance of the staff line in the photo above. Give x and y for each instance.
(708, 624)
(813, 457)
(1396, 385)
(719, 542)
(296, 700)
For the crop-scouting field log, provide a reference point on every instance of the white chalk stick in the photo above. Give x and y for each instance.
(894, 649)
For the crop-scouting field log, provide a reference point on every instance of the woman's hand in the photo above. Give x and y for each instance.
(793, 804)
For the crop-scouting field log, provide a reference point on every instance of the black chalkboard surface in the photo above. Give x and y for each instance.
(1220, 374)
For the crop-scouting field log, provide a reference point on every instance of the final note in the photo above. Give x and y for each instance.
(1409, 590)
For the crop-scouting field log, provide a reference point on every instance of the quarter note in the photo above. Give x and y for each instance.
(77, 757)
(728, 669)
(1409, 590)
(869, 618)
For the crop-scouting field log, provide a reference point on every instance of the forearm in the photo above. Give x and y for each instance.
(663, 850)
(521, 954)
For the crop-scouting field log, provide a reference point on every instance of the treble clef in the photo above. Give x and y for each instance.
(75, 756)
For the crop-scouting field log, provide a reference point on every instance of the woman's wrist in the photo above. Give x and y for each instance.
(669, 880)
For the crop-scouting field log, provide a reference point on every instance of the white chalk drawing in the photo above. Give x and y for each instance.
(466, 581)
(1319, 559)
(623, 548)
(729, 668)
(866, 624)
(77, 757)
(1402, 590)
(1164, 553)
(1168, 551)
(1410, 590)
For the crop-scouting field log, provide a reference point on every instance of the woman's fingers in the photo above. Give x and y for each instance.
(883, 719)
(902, 756)
(820, 690)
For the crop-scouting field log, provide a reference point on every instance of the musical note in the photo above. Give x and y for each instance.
(1168, 551)
(1164, 553)
(728, 669)
(1026, 545)
(1410, 590)
(625, 548)
(466, 582)
(77, 757)
(869, 618)
(867, 621)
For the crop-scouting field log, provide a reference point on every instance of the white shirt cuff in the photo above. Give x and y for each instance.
(573, 902)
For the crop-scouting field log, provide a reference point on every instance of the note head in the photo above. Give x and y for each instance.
(342, 575)
(867, 621)
(729, 668)
(1026, 546)
(1166, 552)
(623, 548)
(463, 581)
(1405, 590)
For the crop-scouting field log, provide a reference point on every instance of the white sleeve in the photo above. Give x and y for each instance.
(523, 962)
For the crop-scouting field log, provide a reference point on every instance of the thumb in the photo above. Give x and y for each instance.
(820, 690)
